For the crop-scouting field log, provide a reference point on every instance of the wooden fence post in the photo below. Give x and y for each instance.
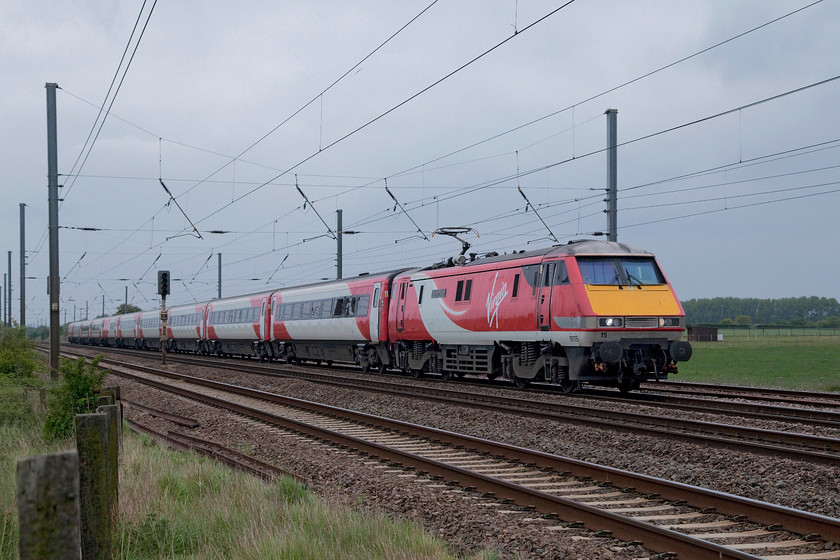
(114, 391)
(48, 506)
(108, 396)
(95, 504)
(112, 478)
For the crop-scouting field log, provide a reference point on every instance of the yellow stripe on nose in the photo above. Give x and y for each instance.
(633, 300)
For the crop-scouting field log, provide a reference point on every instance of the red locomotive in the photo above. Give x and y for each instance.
(591, 311)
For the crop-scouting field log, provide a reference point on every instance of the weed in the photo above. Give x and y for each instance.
(16, 358)
(76, 393)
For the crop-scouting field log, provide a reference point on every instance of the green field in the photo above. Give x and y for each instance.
(790, 362)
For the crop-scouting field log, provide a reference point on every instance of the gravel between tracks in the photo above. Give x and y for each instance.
(454, 516)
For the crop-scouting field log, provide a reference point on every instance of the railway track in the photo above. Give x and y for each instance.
(809, 398)
(667, 517)
(759, 411)
(776, 443)
(230, 457)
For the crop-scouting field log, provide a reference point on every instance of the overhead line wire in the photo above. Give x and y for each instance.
(717, 210)
(472, 189)
(116, 92)
(612, 89)
(784, 16)
(389, 111)
(622, 85)
(311, 101)
(110, 88)
(296, 112)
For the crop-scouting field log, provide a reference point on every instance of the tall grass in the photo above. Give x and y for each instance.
(176, 505)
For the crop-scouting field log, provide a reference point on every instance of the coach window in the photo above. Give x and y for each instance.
(305, 310)
(515, 287)
(376, 298)
(364, 305)
(338, 307)
(459, 290)
(467, 290)
(420, 297)
(350, 307)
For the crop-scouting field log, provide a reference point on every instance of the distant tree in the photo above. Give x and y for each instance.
(766, 311)
(38, 333)
(726, 321)
(832, 322)
(127, 308)
(743, 320)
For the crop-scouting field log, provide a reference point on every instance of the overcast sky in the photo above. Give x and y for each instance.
(745, 204)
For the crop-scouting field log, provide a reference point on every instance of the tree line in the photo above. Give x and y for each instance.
(817, 311)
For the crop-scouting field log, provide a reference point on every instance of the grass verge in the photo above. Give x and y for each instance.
(176, 505)
(806, 363)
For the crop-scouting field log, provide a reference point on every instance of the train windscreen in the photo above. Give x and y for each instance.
(627, 271)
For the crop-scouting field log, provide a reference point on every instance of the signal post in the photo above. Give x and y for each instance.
(163, 290)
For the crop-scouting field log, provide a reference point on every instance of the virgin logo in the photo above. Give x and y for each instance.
(494, 300)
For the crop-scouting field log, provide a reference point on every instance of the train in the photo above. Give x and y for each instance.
(596, 312)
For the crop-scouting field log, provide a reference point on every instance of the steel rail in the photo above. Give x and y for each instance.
(824, 418)
(816, 417)
(829, 419)
(595, 519)
(174, 418)
(789, 519)
(771, 442)
(223, 454)
(797, 395)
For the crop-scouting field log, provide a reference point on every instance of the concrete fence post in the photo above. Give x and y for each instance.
(112, 478)
(92, 432)
(48, 507)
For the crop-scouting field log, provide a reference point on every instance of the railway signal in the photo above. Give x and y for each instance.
(163, 283)
(163, 290)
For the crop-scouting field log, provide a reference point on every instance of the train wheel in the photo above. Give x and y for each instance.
(519, 382)
(381, 368)
(569, 386)
(446, 375)
(627, 386)
(417, 373)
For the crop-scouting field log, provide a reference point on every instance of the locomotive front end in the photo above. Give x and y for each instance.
(636, 324)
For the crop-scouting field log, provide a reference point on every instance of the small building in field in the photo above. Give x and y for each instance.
(702, 334)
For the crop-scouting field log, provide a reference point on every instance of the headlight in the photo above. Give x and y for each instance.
(669, 321)
(610, 321)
